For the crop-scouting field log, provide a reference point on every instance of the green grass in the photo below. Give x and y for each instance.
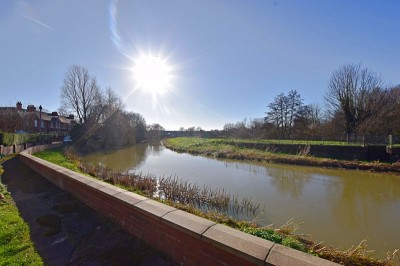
(16, 247)
(56, 156)
(289, 142)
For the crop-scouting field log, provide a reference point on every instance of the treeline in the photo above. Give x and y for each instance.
(356, 105)
(103, 121)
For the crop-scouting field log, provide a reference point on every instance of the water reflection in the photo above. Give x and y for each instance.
(288, 181)
(339, 207)
(119, 160)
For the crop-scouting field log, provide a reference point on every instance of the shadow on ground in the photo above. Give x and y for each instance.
(65, 231)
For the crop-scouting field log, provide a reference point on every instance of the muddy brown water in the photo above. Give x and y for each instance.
(339, 207)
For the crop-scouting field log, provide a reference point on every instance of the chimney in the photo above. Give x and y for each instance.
(54, 114)
(19, 106)
(31, 108)
(71, 117)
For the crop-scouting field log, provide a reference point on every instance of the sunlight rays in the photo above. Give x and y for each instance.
(152, 74)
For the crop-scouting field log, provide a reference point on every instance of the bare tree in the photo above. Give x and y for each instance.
(10, 120)
(308, 121)
(383, 114)
(79, 92)
(283, 110)
(349, 93)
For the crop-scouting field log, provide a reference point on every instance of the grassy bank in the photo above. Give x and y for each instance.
(228, 148)
(16, 247)
(145, 185)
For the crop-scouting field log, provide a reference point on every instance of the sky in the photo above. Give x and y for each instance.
(226, 59)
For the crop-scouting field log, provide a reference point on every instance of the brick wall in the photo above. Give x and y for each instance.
(186, 238)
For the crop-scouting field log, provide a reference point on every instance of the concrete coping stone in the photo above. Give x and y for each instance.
(95, 184)
(281, 255)
(233, 241)
(111, 191)
(188, 223)
(130, 198)
(119, 189)
(75, 176)
(153, 208)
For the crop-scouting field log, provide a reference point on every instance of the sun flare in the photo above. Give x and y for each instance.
(152, 74)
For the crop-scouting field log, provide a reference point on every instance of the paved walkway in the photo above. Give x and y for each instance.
(65, 231)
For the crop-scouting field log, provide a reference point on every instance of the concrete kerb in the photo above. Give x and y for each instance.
(187, 223)
(251, 248)
(255, 250)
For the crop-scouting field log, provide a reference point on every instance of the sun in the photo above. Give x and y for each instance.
(152, 74)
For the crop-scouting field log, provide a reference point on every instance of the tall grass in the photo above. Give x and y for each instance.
(206, 198)
(177, 190)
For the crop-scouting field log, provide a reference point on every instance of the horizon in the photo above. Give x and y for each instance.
(219, 62)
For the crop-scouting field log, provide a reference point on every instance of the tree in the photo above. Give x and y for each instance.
(155, 130)
(138, 123)
(384, 106)
(10, 120)
(80, 93)
(308, 121)
(350, 94)
(283, 110)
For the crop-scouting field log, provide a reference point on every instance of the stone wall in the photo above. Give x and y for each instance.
(366, 153)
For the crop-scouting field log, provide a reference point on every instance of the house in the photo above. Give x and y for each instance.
(34, 120)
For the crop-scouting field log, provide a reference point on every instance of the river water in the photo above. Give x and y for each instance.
(339, 207)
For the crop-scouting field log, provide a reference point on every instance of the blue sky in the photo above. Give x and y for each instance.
(228, 59)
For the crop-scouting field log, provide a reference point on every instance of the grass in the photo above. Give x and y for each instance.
(289, 142)
(56, 156)
(283, 235)
(16, 247)
(231, 149)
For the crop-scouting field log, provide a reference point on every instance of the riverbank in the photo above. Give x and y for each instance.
(350, 257)
(16, 247)
(230, 149)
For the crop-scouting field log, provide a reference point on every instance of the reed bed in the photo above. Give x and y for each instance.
(173, 189)
(205, 197)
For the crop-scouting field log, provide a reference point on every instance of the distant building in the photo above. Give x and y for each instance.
(31, 120)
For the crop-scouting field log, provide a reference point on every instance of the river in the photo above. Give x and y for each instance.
(339, 207)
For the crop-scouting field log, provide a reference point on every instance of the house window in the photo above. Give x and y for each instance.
(35, 123)
(42, 124)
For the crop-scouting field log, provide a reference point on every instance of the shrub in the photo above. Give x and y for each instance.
(8, 139)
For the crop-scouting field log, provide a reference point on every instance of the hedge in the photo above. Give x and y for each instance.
(8, 139)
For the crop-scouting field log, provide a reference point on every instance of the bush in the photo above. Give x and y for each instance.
(8, 139)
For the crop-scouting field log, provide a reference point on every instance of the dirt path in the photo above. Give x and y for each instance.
(65, 231)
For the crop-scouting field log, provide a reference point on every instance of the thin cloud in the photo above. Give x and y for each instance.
(24, 10)
(36, 21)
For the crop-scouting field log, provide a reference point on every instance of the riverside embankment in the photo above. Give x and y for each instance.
(366, 158)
